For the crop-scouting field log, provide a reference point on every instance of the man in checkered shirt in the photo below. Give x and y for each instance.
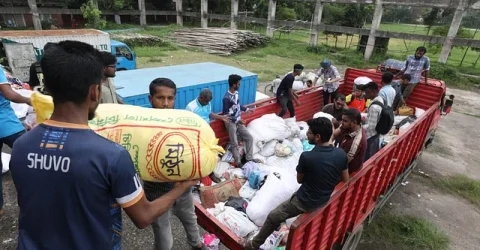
(415, 65)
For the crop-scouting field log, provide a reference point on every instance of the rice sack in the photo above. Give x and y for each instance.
(165, 145)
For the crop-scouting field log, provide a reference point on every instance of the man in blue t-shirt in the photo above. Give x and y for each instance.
(285, 93)
(11, 128)
(202, 106)
(318, 170)
(71, 182)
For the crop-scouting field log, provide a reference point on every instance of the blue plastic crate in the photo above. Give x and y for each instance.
(132, 85)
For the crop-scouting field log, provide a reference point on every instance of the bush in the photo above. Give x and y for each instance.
(451, 76)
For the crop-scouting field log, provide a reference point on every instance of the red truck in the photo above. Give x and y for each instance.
(339, 224)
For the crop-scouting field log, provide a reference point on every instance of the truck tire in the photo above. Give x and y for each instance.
(353, 239)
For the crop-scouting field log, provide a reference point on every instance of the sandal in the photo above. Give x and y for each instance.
(248, 245)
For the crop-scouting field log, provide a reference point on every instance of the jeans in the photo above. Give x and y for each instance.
(373, 145)
(284, 211)
(185, 211)
(233, 129)
(286, 103)
(9, 140)
(329, 97)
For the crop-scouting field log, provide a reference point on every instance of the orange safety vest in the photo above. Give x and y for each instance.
(357, 104)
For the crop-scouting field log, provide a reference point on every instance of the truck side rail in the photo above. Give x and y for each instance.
(352, 202)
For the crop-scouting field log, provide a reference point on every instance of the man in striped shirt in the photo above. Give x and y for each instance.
(415, 65)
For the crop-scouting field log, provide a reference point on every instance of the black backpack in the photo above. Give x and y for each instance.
(385, 123)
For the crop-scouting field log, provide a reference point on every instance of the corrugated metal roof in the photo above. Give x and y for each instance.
(37, 33)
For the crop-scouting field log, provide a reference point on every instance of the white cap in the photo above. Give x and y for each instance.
(362, 80)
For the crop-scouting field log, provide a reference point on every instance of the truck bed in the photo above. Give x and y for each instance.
(351, 203)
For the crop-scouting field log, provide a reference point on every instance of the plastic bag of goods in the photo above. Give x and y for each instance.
(274, 192)
(236, 221)
(221, 168)
(283, 150)
(165, 145)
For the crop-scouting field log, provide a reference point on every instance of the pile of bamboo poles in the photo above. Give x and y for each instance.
(219, 41)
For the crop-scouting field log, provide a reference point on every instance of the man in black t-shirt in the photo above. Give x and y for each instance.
(319, 171)
(285, 93)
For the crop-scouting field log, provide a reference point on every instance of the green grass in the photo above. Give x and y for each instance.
(399, 232)
(279, 56)
(460, 185)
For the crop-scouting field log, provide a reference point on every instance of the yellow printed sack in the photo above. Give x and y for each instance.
(165, 145)
(43, 106)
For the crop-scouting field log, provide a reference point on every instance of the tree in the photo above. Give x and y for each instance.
(398, 14)
(430, 18)
(115, 4)
(93, 16)
(285, 13)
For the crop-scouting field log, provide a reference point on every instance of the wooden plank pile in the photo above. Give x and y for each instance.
(219, 41)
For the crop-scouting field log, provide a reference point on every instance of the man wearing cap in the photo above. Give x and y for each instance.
(331, 78)
(285, 93)
(357, 99)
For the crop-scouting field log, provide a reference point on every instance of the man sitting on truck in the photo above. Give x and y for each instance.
(11, 128)
(109, 92)
(415, 66)
(162, 96)
(235, 125)
(373, 117)
(203, 107)
(336, 109)
(318, 170)
(354, 139)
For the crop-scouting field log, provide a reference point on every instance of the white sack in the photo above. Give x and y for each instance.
(303, 126)
(419, 112)
(247, 192)
(237, 222)
(297, 85)
(297, 143)
(221, 168)
(5, 162)
(274, 192)
(21, 109)
(321, 114)
(268, 127)
(260, 157)
(290, 163)
(269, 148)
(292, 126)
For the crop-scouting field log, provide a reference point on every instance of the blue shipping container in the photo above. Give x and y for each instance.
(132, 85)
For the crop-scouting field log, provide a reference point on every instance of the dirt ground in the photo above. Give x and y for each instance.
(454, 151)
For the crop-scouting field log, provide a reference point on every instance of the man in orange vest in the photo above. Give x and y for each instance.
(357, 100)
